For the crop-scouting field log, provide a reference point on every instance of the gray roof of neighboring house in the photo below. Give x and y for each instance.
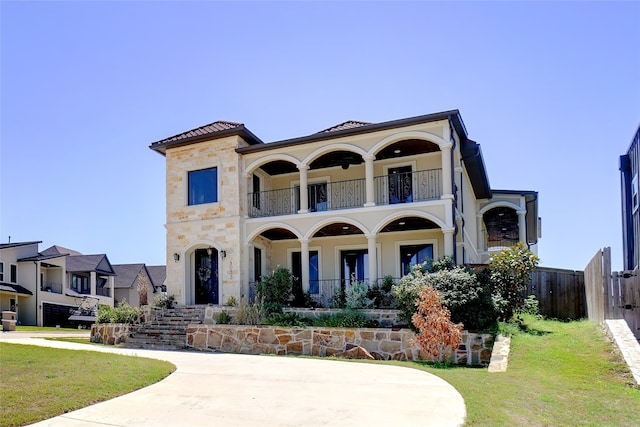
(126, 275)
(12, 287)
(16, 244)
(158, 274)
(83, 263)
(41, 257)
(59, 250)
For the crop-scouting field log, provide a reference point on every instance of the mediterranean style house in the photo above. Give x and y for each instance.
(629, 168)
(354, 202)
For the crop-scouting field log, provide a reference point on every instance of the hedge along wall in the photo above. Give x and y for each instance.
(381, 343)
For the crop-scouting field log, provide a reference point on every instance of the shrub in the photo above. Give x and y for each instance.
(437, 335)
(223, 318)
(123, 313)
(344, 319)
(530, 306)
(510, 272)
(275, 290)
(163, 301)
(291, 319)
(406, 293)
(231, 301)
(247, 314)
(356, 297)
(339, 299)
(381, 295)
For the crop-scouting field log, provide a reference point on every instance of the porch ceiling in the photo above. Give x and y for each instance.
(338, 229)
(408, 224)
(278, 234)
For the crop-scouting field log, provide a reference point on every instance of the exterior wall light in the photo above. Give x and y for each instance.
(223, 254)
(176, 257)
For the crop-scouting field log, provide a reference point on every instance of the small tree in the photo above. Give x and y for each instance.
(510, 273)
(437, 335)
(275, 290)
(143, 289)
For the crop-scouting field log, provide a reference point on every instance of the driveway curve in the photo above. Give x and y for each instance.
(215, 389)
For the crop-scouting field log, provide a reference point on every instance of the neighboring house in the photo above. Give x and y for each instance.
(629, 170)
(354, 202)
(134, 284)
(52, 284)
(158, 277)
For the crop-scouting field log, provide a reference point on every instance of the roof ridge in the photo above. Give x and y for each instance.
(349, 124)
(216, 126)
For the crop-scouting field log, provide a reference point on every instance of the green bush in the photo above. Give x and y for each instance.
(510, 271)
(356, 297)
(290, 319)
(223, 318)
(344, 319)
(123, 313)
(339, 299)
(381, 294)
(163, 301)
(275, 290)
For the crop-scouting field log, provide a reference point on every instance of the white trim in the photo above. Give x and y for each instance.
(398, 243)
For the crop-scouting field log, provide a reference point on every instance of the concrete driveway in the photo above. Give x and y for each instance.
(210, 389)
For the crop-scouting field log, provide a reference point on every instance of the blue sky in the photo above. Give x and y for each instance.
(550, 90)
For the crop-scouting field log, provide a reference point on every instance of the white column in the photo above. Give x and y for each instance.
(369, 180)
(111, 282)
(304, 255)
(373, 258)
(447, 184)
(304, 196)
(448, 241)
(522, 226)
(482, 243)
(92, 283)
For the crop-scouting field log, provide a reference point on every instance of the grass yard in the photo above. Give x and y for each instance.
(46, 329)
(37, 383)
(559, 374)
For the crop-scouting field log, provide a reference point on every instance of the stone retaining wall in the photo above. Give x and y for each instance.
(381, 343)
(109, 333)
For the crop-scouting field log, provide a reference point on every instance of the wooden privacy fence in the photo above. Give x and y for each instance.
(560, 293)
(612, 295)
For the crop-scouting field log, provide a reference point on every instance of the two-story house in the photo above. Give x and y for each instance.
(629, 172)
(354, 202)
(46, 288)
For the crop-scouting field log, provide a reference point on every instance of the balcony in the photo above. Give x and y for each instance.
(52, 287)
(406, 187)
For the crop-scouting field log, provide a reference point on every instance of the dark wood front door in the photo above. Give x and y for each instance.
(206, 276)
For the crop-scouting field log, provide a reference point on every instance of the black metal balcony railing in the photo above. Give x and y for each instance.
(406, 187)
(105, 292)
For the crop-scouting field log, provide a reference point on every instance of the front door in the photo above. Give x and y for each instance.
(206, 276)
(355, 267)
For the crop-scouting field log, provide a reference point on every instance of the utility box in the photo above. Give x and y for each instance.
(8, 321)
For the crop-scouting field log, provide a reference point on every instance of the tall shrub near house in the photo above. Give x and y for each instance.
(437, 335)
(275, 290)
(510, 272)
(143, 289)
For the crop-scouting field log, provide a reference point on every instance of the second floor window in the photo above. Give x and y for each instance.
(80, 284)
(1, 271)
(203, 186)
(14, 273)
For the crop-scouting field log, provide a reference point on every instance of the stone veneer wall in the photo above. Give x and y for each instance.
(109, 333)
(381, 343)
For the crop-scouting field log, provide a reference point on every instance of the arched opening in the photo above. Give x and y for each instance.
(501, 227)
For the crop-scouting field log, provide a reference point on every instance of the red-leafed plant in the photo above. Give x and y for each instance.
(437, 335)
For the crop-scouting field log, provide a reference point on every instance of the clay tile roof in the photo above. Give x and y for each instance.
(209, 129)
(349, 124)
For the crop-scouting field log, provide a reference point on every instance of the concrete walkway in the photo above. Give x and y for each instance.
(240, 390)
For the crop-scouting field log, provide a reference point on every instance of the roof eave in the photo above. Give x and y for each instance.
(246, 134)
(472, 158)
(453, 115)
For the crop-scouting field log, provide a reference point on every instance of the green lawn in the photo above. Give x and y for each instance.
(37, 383)
(559, 374)
(48, 329)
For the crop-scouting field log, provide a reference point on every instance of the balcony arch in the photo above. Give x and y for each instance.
(334, 148)
(409, 213)
(273, 226)
(336, 220)
(410, 135)
(279, 157)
